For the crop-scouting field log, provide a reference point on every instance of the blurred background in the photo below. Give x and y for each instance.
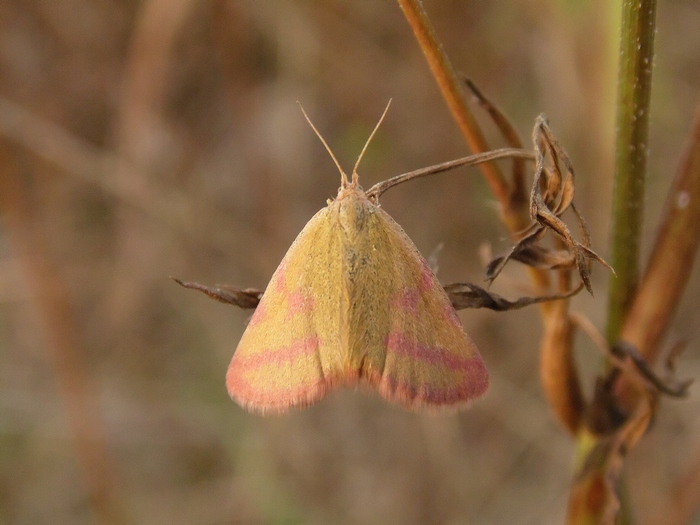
(141, 140)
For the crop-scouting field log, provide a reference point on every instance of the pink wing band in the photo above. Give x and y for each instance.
(472, 372)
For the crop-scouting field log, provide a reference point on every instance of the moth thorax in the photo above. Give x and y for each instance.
(351, 215)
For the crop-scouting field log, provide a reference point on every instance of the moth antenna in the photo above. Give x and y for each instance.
(354, 170)
(343, 176)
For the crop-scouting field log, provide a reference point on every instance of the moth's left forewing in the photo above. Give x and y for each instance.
(290, 355)
(406, 337)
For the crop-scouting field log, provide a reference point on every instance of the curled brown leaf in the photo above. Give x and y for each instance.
(468, 295)
(246, 299)
(552, 194)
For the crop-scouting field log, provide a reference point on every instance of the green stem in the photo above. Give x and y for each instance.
(638, 25)
(631, 150)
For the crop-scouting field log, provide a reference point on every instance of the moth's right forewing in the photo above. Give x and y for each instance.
(406, 335)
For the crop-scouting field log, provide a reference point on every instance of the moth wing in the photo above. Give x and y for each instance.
(290, 350)
(407, 340)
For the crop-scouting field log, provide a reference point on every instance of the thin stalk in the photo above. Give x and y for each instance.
(476, 159)
(631, 151)
(638, 25)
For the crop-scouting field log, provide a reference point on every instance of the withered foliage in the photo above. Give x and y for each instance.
(468, 295)
(552, 194)
(245, 299)
(595, 489)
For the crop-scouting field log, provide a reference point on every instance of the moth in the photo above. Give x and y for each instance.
(353, 302)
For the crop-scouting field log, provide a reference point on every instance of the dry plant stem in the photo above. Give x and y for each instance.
(558, 372)
(672, 257)
(557, 367)
(557, 339)
(670, 263)
(479, 158)
(62, 342)
(631, 151)
(451, 90)
(515, 220)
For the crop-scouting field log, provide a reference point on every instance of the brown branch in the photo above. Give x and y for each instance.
(476, 159)
(672, 257)
(670, 263)
(558, 373)
(247, 299)
(451, 90)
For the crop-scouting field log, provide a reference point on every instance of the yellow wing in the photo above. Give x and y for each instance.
(290, 351)
(405, 337)
(353, 300)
